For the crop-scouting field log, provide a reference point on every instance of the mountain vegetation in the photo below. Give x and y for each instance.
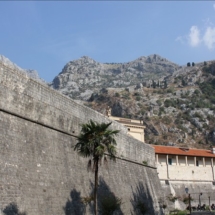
(176, 103)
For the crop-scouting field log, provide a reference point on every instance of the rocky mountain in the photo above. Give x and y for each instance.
(31, 73)
(175, 102)
(80, 78)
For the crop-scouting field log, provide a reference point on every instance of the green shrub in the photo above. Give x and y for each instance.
(186, 199)
(210, 117)
(172, 198)
(87, 200)
(184, 129)
(197, 92)
(183, 82)
(199, 115)
(170, 90)
(208, 90)
(145, 163)
(161, 109)
(138, 98)
(178, 212)
(136, 94)
(186, 116)
(117, 94)
(170, 103)
(209, 69)
(159, 102)
(160, 91)
(167, 120)
(126, 95)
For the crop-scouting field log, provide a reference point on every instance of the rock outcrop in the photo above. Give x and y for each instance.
(176, 103)
(80, 77)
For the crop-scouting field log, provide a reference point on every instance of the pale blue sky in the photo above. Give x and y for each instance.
(46, 35)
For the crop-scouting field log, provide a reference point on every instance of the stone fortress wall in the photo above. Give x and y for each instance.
(39, 170)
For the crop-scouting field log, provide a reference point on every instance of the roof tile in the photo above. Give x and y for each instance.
(170, 150)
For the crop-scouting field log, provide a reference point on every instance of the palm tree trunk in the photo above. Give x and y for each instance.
(96, 185)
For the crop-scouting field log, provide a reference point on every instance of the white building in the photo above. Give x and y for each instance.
(184, 164)
(135, 127)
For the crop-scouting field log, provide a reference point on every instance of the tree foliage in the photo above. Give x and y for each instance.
(94, 140)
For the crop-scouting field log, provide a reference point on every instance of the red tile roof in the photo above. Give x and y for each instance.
(170, 150)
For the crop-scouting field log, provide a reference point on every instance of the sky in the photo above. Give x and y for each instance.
(45, 35)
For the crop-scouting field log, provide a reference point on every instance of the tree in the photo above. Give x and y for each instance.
(183, 82)
(154, 84)
(94, 141)
(165, 84)
(188, 64)
(193, 64)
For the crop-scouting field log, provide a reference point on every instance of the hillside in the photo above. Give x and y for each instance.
(82, 77)
(176, 103)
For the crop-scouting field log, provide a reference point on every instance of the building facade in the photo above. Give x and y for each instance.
(135, 127)
(175, 163)
(180, 170)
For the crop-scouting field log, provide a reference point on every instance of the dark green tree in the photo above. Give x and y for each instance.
(154, 84)
(165, 84)
(183, 82)
(193, 64)
(95, 140)
(188, 64)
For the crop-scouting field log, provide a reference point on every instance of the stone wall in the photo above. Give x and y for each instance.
(176, 188)
(39, 169)
(193, 173)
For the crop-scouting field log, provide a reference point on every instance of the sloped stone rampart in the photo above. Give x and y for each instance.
(38, 167)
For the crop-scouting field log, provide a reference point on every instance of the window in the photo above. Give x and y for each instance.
(197, 163)
(170, 161)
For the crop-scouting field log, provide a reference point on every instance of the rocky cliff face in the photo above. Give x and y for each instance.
(176, 103)
(80, 78)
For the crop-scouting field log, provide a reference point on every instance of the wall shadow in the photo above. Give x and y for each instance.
(75, 205)
(12, 209)
(104, 191)
(142, 201)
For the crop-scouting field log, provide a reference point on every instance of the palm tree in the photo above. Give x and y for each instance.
(94, 141)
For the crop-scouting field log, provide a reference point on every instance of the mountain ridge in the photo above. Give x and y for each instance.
(176, 103)
(172, 100)
(78, 77)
